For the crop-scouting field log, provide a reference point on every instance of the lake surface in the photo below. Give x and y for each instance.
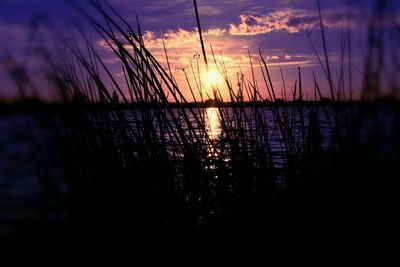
(29, 164)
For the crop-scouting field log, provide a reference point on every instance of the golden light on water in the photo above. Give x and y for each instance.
(213, 122)
(213, 127)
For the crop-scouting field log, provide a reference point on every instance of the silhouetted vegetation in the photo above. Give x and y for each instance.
(142, 169)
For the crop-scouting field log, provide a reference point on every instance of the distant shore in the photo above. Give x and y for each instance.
(36, 105)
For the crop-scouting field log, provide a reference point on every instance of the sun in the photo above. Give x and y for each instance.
(213, 78)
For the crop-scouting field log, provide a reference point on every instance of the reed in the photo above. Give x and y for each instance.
(163, 161)
(159, 173)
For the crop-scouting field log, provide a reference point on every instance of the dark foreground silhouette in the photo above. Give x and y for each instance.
(331, 203)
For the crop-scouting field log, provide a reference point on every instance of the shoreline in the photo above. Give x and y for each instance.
(39, 106)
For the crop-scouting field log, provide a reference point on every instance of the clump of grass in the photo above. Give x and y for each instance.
(157, 172)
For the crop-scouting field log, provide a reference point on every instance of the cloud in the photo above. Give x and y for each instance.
(286, 59)
(288, 20)
(180, 38)
(181, 44)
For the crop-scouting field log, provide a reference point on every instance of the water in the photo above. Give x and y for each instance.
(27, 167)
(242, 124)
(30, 165)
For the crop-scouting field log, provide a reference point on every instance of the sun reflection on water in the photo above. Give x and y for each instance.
(213, 128)
(213, 124)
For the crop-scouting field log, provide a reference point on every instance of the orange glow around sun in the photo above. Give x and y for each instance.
(213, 79)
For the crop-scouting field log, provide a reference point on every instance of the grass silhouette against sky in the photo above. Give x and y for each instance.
(282, 30)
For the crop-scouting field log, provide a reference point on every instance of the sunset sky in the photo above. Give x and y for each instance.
(277, 28)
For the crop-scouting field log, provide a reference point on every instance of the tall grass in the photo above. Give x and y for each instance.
(157, 172)
(155, 156)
